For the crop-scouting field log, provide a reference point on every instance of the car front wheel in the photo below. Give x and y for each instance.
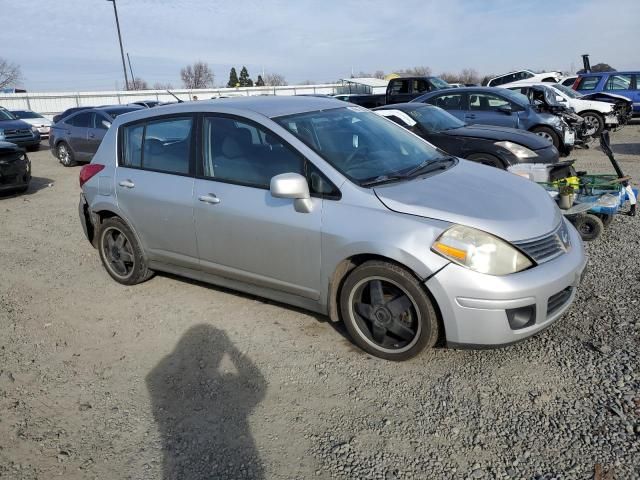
(549, 134)
(387, 312)
(594, 123)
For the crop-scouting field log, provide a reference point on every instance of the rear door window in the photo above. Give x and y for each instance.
(452, 101)
(619, 82)
(588, 83)
(81, 120)
(161, 145)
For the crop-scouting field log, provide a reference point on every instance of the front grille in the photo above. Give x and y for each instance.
(558, 300)
(547, 247)
(22, 134)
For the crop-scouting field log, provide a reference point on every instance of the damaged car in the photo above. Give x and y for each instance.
(599, 111)
(15, 168)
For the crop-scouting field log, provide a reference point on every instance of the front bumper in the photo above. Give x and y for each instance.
(547, 155)
(474, 305)
(15, 174)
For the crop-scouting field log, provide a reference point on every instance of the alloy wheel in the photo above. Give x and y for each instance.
(592, 123)
(63, 154)
(385, 314)
(118, 252)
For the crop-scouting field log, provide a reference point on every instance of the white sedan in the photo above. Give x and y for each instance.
(35, 119)
(596, 114)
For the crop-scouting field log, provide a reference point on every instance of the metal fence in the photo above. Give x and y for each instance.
(49, 104)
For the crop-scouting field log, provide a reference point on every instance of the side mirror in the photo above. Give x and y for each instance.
(560, 98)
(106, 124)
(294, 186)
(506, 109)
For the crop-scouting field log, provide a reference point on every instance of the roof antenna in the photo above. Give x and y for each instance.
(171, 93)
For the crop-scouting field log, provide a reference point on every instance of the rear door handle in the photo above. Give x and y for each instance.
(209, 198)
(127, 184)
(91, 135)
(470, 115)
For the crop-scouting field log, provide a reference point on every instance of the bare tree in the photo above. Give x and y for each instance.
(469, 75)
(162, 86)
(422, 71)
(274, 80)
(449, 77)
(198, 75)
(309, 82)
(10, 73)
(379, 74)
(138, 84)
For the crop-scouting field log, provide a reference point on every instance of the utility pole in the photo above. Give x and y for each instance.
(124, 67)
(133, 78)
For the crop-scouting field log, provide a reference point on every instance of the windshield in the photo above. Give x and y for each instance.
(569, 92)
(515, 96)
(6, 115)
(26, 114)
(360, 144)
(435, 119)
(439, 83)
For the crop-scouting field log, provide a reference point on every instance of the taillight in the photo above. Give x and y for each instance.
(575, 84)
(88, 171)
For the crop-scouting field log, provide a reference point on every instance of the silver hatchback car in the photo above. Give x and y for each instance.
(330, 207)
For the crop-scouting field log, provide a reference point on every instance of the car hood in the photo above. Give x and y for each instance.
(607, 97)
(37, 121)
(497, 202)
(14, 125)
(582, 104)
(529, 140)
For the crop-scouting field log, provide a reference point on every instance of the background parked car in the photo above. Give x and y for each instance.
(620, 83)
(569, 81)
(15, 168)
(17, 131)
(524, 75)
(35, 119)
(147, 103)
(502, 107)
(498, 147)
(76, 138)
(596, 114)
(67, 112)
(405, 89)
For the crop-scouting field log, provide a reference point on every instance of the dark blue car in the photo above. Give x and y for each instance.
(504, 108)
(626, 84)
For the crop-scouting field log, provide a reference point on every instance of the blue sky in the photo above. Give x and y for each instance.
(72, 44)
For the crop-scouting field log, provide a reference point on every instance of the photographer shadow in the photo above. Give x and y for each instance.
(202, 408)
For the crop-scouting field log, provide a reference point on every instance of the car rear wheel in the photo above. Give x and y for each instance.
(65, 155)
(120, 253)
(387, 312)
(594, 123)
(549, 134)
(486, 159)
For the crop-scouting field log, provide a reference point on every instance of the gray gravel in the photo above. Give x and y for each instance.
(175, 379)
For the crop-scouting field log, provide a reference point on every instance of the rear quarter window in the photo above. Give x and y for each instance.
(588, 83)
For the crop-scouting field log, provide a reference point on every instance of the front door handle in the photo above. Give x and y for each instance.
(91, 135)
(127, 184)
(470, 115)
(209, 198)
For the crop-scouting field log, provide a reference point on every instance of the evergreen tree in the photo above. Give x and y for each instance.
(233, 78)
(260, 81)
(244, 80)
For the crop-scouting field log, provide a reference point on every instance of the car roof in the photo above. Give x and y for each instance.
(405, 106)
(269, 106)
(118, 107)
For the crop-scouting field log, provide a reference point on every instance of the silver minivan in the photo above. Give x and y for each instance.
(330, 207)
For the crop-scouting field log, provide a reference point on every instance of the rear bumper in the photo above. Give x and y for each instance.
(474, 306)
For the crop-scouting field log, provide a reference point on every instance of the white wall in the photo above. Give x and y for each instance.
(49, 104)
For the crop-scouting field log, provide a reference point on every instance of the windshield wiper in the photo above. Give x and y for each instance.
(380, 179)
(430, 166)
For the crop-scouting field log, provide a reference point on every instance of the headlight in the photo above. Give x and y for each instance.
(518, 150)
(480, 251)
(34, 129)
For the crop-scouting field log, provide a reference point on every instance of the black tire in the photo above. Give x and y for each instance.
(487, 159)
(399, 320)
(65, 154)
(606, 218)
(548, 133)
(124, 261)
(589, 226)
(594, 123)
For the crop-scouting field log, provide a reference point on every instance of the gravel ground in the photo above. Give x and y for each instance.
(175, 379)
